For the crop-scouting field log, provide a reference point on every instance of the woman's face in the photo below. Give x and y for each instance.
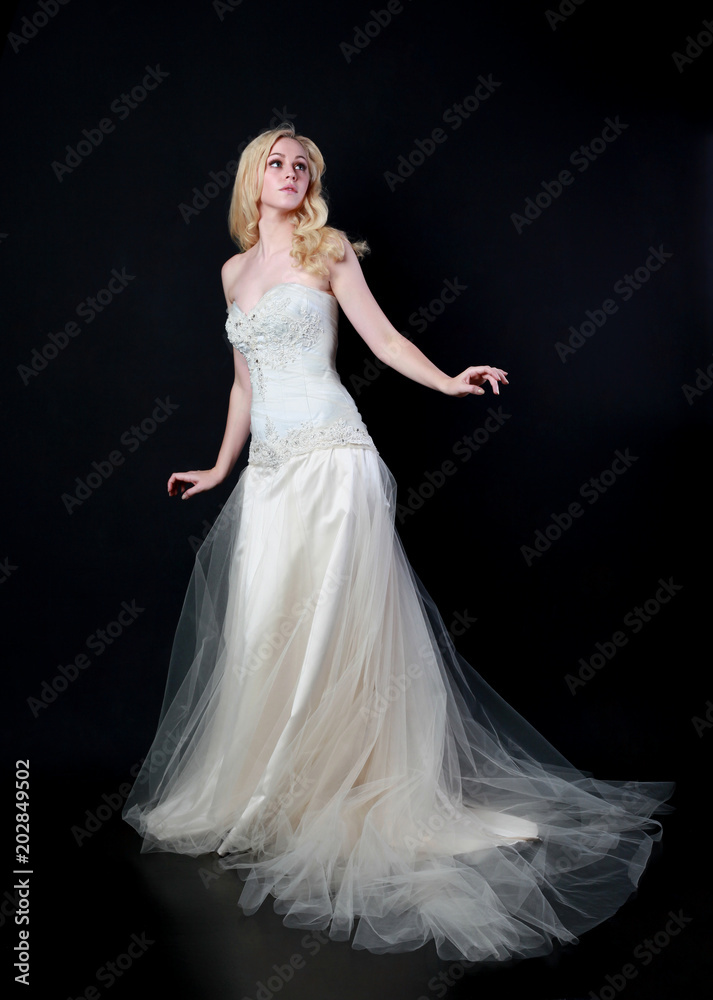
(286, 179)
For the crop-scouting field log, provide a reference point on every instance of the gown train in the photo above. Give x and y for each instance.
(320, 732)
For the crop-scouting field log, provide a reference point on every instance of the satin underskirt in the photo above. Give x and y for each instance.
(322, 735)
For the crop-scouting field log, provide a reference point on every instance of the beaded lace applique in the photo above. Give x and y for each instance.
(269, 341)
(271, 336)
(274, 449)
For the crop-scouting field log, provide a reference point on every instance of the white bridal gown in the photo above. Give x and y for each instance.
(320, 732)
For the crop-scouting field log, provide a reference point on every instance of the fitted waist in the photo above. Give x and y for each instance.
(272, 449)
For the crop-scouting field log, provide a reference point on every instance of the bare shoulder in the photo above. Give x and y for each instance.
(231, 267)
(346, 274)
(348, 262)
(229, 273)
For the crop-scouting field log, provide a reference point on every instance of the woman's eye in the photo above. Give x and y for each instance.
(276, 163)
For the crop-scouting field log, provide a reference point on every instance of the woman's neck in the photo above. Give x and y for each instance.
(275, 235)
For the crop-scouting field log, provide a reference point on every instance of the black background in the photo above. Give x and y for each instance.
(231, 72)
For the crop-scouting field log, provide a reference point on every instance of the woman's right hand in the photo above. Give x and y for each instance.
(187, 484)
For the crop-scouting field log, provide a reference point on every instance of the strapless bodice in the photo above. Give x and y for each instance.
(289, 340)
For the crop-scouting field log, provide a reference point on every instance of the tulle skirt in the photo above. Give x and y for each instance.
(321, 734)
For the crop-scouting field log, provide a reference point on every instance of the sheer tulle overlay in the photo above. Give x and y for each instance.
(322, 735)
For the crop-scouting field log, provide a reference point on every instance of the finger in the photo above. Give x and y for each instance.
(485, 370)
(177, 482)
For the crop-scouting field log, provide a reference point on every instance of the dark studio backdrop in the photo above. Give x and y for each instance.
(535, 186)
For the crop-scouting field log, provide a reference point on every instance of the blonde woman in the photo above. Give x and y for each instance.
(319, 731)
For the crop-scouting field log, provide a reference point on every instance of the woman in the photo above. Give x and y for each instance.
(319, 731)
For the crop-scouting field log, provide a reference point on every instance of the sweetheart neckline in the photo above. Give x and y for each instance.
(281, 284)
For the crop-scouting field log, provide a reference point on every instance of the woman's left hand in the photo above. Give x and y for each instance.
(469, 382)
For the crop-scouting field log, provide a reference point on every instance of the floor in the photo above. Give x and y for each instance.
(106, 917)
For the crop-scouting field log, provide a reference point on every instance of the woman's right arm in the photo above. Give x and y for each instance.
(237, 429)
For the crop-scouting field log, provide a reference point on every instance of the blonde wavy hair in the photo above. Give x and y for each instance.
(313, 240)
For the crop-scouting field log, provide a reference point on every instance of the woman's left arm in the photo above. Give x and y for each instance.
(366, 316)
